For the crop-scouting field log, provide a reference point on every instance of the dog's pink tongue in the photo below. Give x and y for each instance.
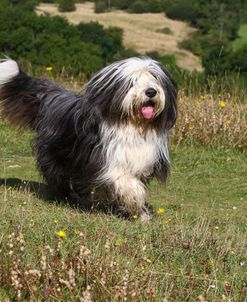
(147, 112)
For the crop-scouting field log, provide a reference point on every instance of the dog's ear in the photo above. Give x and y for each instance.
(171, 103)
(104, 97)
(171, 91)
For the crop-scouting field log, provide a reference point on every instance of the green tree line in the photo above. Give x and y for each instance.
(86, 47)
(53, 41)
(218, 23)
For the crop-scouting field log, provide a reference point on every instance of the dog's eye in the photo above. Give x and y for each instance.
(154, 76)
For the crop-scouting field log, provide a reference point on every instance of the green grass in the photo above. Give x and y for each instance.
(197, 247)
(242, 39)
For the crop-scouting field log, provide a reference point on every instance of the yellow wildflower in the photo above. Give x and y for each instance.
(226, 123)
(135, 216)
(222, 104)
(148, 260)
(49, 68)
(166, 221)
(143, 271)
(160, 211)
(61, 234)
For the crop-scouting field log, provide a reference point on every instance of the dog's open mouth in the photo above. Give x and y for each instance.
(147, 110)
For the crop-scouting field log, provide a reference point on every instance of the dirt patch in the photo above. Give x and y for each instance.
(141, 31)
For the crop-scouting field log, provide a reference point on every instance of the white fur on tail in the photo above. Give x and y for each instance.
(8, 70)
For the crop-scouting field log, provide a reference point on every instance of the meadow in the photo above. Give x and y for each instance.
(194, 248)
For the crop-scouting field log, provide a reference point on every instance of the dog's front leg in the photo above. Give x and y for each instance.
(131, 196)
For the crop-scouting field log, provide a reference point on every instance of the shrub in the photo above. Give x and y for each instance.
(155, 6)
(138, 7)
(110, 39)
(100, 7)
(23, 4)
(52, 41)
(238, 60)
(181, 10)
(165, 30)
(66, 5)
(45, 40)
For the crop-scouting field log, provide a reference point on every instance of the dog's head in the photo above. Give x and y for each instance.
(138, 89)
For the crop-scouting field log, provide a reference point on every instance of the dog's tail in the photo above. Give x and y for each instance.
(19, 102)
(21, 95)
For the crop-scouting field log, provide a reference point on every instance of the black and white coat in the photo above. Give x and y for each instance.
(112, 137)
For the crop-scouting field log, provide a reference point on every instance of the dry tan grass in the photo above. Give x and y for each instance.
(140, 30)
(212, 119)
(209, 117)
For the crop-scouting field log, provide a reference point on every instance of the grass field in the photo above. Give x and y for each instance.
(194, 249)
(142, 32)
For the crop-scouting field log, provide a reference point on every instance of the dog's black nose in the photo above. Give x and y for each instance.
(150, 92)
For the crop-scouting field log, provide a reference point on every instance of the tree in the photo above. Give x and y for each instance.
(110, 39)
(66, 5)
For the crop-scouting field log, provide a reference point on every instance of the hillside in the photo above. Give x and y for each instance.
(141, 31)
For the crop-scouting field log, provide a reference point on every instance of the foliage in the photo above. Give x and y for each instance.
(165, 30)
(100, 7)
(137, 6)
(66, 5)
(22, 4)
(109, 39)
(181, 10)
(218, 24)
(52, 41)
(241, 38)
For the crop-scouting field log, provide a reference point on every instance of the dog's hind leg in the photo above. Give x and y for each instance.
(55, 176)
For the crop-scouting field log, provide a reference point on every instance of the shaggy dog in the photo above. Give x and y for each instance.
(111, 138)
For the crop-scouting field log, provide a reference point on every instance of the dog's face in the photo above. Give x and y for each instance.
(136, 89)
(145, 99)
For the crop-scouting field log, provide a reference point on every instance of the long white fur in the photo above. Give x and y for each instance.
(136, 94)
(128, 70)
(8, 70)
(130, 155)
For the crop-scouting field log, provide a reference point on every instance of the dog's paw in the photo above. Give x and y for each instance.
(145, 217)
